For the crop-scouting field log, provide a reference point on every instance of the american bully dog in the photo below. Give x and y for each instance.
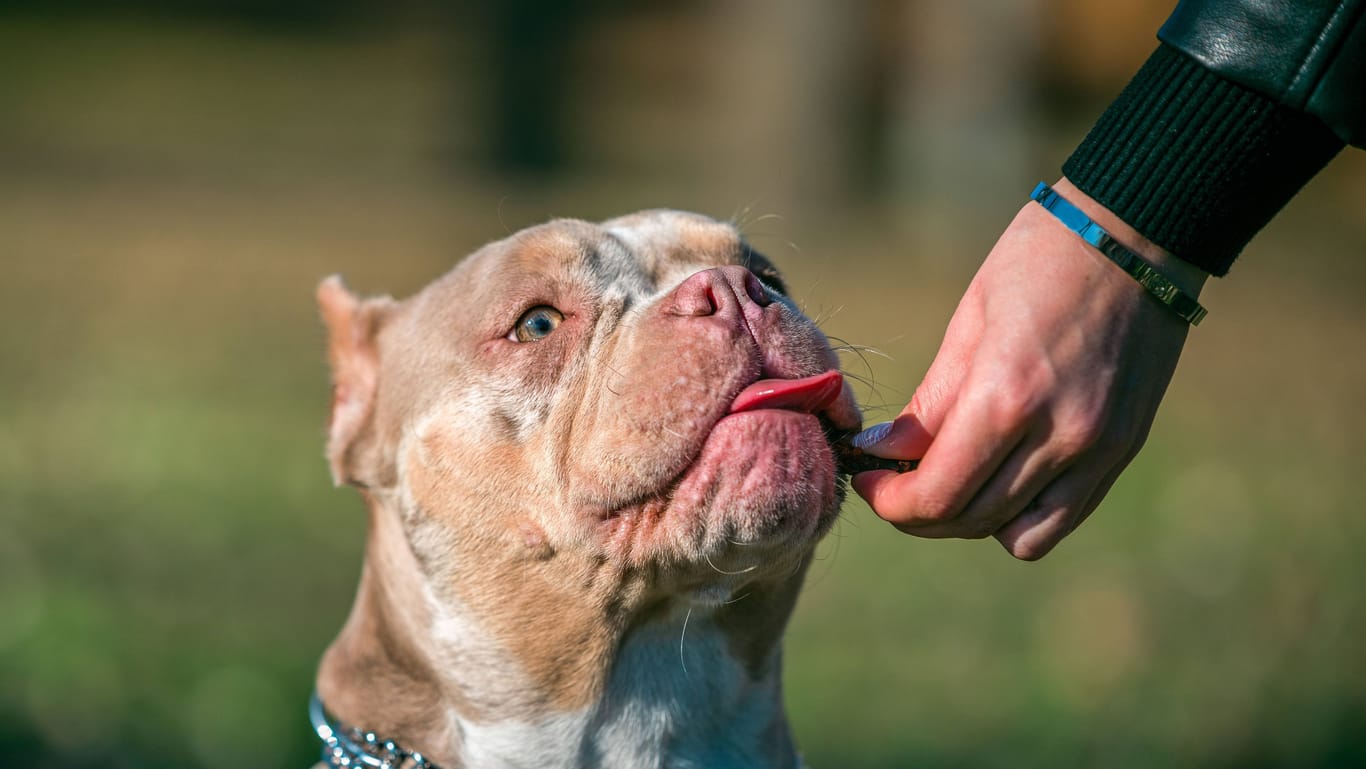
(596, 459)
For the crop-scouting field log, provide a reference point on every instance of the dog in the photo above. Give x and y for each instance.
(597, 459)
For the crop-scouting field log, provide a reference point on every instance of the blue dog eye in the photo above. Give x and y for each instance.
(536, 324)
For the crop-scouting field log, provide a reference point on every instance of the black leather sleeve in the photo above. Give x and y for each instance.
(1242, 104)
(1309, 55)
(1195, 162)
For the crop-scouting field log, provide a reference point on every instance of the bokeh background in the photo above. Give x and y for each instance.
(175, 177)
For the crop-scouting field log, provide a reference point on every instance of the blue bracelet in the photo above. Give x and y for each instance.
(1153, 281)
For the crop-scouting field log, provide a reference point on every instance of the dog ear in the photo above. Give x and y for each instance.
(353, 327)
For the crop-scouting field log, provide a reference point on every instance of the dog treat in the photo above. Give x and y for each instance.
(852, 460)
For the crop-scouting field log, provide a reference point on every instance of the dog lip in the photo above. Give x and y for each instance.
(820, 395)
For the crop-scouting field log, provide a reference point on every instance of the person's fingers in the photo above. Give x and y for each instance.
(1048, 518)
(1099, 493)
(1059, 509)
(1034, 533)
(977, 436)
(1026, 472)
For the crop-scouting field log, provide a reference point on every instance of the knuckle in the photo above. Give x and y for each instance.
(1018, 393)
(1081, 437)
(1011, 404)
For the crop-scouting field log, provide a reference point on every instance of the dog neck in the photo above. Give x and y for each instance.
(635, 680)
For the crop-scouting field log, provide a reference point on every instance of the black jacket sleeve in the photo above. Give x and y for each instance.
(1242, 103)
(1307, 55)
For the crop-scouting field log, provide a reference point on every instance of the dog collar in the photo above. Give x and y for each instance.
(352, 748)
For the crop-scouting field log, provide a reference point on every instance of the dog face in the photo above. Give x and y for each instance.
(613, 412)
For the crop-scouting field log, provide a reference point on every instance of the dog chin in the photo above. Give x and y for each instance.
(765, 482)
(763, 486)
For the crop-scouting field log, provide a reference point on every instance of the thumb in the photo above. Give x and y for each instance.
(902, 438)
(910, 434)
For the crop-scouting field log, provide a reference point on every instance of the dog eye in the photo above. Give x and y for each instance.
(536, 324)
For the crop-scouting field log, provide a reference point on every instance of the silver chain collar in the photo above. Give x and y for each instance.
(351, 748)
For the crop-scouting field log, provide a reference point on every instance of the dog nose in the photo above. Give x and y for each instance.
(719, 290)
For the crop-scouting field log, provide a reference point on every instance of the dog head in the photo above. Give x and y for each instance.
(586, 421)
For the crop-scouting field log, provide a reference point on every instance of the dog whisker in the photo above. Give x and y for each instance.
(740, 219)
(506, 229)
(804, 301)
(742, 215)
(718, 570)
(861, 351)
(847, 346)
(743, 221)
(867, 380)
(600, 358)
(682, 660)
(749, 231)
(877, 400)
(824, 318)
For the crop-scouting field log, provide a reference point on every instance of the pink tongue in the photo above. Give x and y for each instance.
(809, 394)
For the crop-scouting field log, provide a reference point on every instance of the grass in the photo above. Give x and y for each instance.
(175, 559)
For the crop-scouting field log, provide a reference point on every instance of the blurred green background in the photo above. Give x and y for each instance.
(176, 177)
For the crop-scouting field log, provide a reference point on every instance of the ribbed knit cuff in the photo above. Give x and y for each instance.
(1196, 163)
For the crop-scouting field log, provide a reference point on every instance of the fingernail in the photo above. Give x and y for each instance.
(875, 434)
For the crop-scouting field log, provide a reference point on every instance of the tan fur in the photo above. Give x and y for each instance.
(352, 327)
(537, 506)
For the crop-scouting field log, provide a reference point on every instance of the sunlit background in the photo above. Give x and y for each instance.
(175, 177)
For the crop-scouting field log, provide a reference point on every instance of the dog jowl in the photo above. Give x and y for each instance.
(596, 458)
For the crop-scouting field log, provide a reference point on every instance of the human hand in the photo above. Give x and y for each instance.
(1043, 389)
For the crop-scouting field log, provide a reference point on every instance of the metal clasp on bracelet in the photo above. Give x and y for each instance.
(1158, 285)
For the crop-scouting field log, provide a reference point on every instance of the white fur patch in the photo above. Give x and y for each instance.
(664, 691)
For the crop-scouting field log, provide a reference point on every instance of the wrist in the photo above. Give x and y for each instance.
(1184, 274)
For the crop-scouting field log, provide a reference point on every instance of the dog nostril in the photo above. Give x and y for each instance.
(756, 290)
(696, 297)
